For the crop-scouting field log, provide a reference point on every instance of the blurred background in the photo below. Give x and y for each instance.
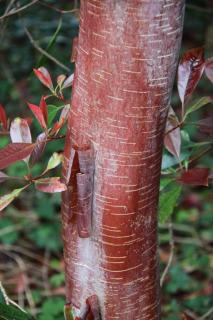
(31, 263)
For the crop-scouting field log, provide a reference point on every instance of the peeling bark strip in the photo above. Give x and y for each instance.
(127, 58)
(94, 307)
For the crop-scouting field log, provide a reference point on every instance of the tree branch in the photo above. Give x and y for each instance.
(45, 53)
(47, 5)
(13, 12)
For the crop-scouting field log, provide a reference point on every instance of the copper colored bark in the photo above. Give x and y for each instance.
(126, 62)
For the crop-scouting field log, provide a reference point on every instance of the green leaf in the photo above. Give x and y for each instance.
(9, 312)
(197, 105)
(168, 201)
(57, 280)
(52, 112)
(180, 281)
(54, 161)
(164, 181)
(8, 198)
(47, 236)
(9, 234)
(52, 309)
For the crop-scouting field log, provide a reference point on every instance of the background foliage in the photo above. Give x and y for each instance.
(31, 264)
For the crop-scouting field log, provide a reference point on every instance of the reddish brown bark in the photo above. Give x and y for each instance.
(126, 62)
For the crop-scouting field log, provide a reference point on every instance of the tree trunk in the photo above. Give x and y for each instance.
(126, 63)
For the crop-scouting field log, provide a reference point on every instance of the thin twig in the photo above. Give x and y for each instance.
(207, 314)
(171, 256)
(13, 12)
(8, 300)
(22, 266)
(179, 227)
(45, 53)
(57, 9)
(174, 128)
(198, 156)
(26, 252)
(9, 7)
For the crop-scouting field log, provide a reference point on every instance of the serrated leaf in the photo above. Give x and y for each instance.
(43, 75)
(209, 69)
(197, 105)
(36, 110)
(50, 185)
(168, 201)
(9, 312)
(14, 152)
(172, 139)
(54, 161)
(3, 117)
(195, 177)
(190, 70)
(8, 198)
(39, 148)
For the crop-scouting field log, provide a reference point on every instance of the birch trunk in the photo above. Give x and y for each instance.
(126, 63)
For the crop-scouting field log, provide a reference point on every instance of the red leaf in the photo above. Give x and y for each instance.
(195, 177)
(3, 177)
(20, 131)
(172, 139)
(209, 69)
(43, 107)
(206, 126)
(57, 126)
(14, 152)
(50, 185)
(68, 82)
(60, 79)
(44, 76)
(38, 114)
(63, 118)
(29, 120)
(65, 112)
(39, 148)
(3, 117)
(190, 71)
